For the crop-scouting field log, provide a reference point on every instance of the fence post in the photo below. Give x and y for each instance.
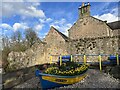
(117, 59)
(100, 62)
(71, 58)
(84, 59)
(50, 59)
(60, 60)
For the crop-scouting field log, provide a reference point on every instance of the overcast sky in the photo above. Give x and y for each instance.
(41, 15)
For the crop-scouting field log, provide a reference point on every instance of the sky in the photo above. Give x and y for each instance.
(42, 15)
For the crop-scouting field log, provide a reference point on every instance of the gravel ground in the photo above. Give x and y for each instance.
(95, 79)
(32, 83)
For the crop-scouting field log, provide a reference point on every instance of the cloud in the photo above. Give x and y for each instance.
(15, 27)
(108, 17)
(33, 12)
(62, 21)
(22, 26)
(5, 26)
(21, 1)
(42, 20)
(42, 35)
(108, 12)
(36, 4)
(38, 27)
(114, 11)
(62, 25)
(48, 20)
(13, 1)
(22, 9)
(18, 26)
(61, 0)
(45, 20)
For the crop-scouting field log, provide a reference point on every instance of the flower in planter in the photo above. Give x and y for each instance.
(67, 71)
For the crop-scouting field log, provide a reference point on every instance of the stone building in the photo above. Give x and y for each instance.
(88, 35)
(88, 26)
(57, 43)
(115, 26)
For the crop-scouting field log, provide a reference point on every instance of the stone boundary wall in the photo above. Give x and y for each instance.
(19, 60)
(41, 52)
(99, 45)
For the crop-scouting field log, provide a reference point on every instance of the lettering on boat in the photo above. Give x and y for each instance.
(60, 80)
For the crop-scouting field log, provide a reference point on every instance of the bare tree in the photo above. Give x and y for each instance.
(16, 37)
(5, 51)
(5, 41)
(31, 36)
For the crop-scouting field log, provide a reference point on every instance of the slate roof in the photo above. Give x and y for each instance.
(114, 25)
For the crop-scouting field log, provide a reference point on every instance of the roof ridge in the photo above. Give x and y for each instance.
(114, 25)
(60, 33)
(114, 21)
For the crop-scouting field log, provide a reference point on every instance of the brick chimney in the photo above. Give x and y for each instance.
(84, 10)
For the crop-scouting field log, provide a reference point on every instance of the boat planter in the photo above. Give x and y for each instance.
(50, 81)
(53, 78)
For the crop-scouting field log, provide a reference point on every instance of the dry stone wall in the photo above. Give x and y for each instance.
(18, 60)
(100, 45)
(40, 54)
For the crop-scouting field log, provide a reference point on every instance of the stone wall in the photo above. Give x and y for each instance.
(58, 49)
(116, 32)
(18, 60)
(54, 44)
(40, 53)
(100, 45)
(89, 27)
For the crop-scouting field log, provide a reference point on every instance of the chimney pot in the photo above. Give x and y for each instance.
(88, 3)
(105, 21)
(84, 10)
(83, 4)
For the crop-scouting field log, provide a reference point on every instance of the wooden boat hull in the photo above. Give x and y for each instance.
(50, 81)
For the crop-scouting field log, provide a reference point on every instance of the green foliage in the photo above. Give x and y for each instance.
(69, 65)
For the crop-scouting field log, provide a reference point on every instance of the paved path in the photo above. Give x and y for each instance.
(95, 79)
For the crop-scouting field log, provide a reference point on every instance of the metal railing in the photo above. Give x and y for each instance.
(87, 55)
(85, 58)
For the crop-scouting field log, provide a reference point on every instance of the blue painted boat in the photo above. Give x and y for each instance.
(49, 81)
